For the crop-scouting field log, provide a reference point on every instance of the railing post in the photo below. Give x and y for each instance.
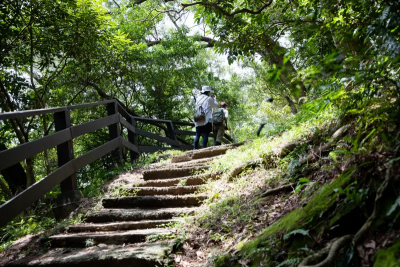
(132, 137)
(171, 132)
(114, 131)
(67, 201)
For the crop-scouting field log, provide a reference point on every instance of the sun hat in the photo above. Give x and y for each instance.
(205, 88)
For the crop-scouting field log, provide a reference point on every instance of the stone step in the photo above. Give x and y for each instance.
(171, 173)
(187, 181)
(169, 190)
(193, 163)
(204, 153)
(154, 201)
(119, 226)
(110, 238)
(143, 255)
(121, 215)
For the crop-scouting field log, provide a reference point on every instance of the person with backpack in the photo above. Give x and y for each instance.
(220, 123)
(203, 115)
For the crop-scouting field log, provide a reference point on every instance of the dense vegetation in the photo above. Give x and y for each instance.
(326, 63)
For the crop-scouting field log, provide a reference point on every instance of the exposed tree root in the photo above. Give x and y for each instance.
(248, 165)
(332, 250)
(359, 236)
(338, 134)
(277, 190)
(282, 150)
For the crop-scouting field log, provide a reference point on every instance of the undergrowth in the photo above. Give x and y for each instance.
(342, 180)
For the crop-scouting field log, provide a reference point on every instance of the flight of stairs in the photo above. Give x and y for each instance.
(116, 234)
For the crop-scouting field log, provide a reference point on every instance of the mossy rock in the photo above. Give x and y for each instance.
(389, 257)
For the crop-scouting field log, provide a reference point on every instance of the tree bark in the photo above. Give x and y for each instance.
(6, 191)
(291, 104)
(46, 152)
(14, 175)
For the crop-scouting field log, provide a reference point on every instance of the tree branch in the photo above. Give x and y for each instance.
(224, 12)
(210, 42)
(116, 4)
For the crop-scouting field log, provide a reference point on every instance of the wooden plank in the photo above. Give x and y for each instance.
(91, 104)
(94, 125)
(151, 149)
(22, 201)
(127, 124)
(228, 137)
(35, 112)
(149, 119)
(29, 113)
(97, 153)
(157, 137)
(226, 141)
(65, 151)
(183, 123)
(133, 139)
(186, 147)
(171, 132)
(185, 132)
(129, 145)
(19, 153)
(114, 131)
(123, 112)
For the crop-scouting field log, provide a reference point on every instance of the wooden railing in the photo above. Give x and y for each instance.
(68, 166)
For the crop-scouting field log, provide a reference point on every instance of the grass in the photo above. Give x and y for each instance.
(232, 208)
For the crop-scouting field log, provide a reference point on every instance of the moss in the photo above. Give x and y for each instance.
(299, 218)
(222, 261)
(344, 210)
(389, 257)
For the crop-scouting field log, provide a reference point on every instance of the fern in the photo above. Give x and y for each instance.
(294, 232)
(291, 262)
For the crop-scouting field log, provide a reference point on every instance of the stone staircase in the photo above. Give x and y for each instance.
(116, 234)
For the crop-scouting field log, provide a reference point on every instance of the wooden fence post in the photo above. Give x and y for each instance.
(132, 137)
(114, 131)
(171, 132)
(67, 201)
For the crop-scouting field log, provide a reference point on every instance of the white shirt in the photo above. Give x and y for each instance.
(208, 105)
(226, 113)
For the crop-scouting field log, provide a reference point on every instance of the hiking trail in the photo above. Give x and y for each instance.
(115, 234)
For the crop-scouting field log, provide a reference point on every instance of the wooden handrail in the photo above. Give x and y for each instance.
(35, 112)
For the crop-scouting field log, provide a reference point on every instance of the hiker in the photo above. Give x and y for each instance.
(202, 118)
(220, 123)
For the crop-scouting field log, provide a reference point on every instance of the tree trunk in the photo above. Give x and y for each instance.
(291, 104)
(46, 153)
(276, 56)
(6, 191)
(14, 175)
(30, 173)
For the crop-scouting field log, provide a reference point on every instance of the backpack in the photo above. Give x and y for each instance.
(218, 116)
(199, 115)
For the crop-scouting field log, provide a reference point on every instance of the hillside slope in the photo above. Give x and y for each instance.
(322, 191)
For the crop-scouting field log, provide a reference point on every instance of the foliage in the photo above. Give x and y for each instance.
(89, 242)
(295, 232)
